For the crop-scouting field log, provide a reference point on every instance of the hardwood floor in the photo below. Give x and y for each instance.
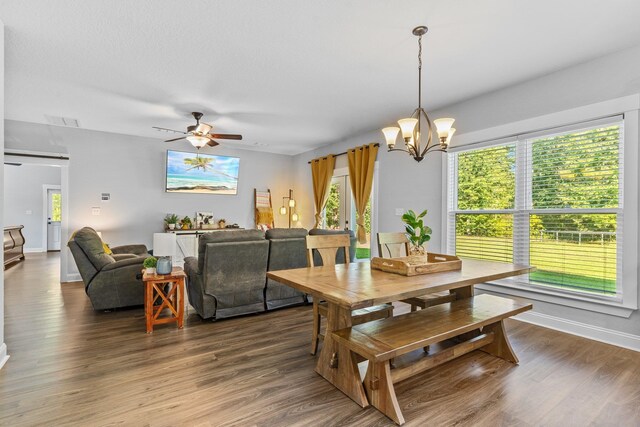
(70, 365)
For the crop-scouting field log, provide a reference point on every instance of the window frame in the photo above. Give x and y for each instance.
(627, 270)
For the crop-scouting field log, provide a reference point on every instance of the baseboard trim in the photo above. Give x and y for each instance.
(33, 250)
(596, 333)
(70, 278)
(3, 355)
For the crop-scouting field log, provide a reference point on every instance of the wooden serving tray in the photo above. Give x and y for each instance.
(407, 266)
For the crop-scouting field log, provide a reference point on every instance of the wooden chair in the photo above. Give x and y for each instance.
(328, 247)
(394, 245)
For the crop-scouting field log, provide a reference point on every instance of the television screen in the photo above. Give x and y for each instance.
(201, 173)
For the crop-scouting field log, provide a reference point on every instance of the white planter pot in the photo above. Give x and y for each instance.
(172, 226)
(151, 270)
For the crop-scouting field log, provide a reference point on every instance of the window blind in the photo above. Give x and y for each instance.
(552, 199)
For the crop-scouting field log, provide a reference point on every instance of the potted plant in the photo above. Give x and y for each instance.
(222, 223)
(171, 220)
(149, 264)
(417, 233)
(186, 223)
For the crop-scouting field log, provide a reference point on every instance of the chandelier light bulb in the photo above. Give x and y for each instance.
(443, 126)
(407, 126)
(391, 135)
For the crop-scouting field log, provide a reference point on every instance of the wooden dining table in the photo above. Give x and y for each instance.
(346, 287)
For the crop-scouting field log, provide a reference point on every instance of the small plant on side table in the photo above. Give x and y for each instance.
(417, 233)
(171, 220)
(149, 264)
(186, 223)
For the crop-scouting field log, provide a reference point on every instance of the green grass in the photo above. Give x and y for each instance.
(588, 266)
(363, 253)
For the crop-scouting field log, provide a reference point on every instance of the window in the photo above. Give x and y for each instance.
(551, 199)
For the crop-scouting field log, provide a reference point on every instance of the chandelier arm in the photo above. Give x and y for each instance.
(399, 149)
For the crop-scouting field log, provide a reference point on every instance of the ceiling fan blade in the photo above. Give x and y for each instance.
(168, 130)
(212, 143)
(175, 139)
(225, 136)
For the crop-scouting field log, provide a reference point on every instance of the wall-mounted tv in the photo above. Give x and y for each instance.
(201, 173)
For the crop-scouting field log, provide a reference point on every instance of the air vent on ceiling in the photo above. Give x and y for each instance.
(62, 121)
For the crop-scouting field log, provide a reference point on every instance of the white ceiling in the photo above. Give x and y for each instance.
(289, 75)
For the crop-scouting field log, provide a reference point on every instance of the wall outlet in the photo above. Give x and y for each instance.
(95, 211)
(399, 211)
(29, 212)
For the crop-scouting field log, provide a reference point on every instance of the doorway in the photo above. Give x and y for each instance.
(340, 210)
(54, 217)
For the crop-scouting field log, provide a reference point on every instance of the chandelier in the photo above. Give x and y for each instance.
(413, 128)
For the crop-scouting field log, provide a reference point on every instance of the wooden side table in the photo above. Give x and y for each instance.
(156, 298)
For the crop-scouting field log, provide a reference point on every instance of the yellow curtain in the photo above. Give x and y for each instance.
(321, 172)
(361, 163)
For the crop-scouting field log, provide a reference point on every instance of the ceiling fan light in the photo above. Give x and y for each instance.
(443, 126)
(391, 134)
(198, 141)
(407, 126)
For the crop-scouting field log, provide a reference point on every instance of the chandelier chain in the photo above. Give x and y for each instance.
(420, 72)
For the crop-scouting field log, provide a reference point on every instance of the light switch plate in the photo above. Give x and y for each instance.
(95, 211)
(399, 211)
(28, 212)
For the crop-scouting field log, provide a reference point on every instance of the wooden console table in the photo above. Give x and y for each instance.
(13, 244)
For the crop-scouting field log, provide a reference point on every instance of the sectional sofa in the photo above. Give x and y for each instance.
(229, 277)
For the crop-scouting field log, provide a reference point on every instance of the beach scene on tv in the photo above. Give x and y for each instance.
(202, 173)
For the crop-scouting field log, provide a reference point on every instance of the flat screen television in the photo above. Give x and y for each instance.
(201, 173)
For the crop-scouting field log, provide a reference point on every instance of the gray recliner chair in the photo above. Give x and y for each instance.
(287, 249)
(228, 277)
(110, 281)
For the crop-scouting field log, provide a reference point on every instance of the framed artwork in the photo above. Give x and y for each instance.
(204, 219)
(201, 173)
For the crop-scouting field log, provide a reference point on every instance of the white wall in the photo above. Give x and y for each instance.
(3, 346)
(23, 192)
(405, 184)
(132, 170)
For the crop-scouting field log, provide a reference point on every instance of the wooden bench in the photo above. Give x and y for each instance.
(382, 340)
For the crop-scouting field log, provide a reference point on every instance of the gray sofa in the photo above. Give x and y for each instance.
(229, 277)
(110, 281)
(287, 249)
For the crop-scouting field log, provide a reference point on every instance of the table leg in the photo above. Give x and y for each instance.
(148, 306)
(336, 363)
(180, 302)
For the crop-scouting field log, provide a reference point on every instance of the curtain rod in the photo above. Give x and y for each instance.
(38, 156)
(343, 153)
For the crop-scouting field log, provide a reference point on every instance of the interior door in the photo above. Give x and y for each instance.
(54, 217)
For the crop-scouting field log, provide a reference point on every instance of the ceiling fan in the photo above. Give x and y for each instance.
(200, 134)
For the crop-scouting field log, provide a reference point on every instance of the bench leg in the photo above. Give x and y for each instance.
(379, 386)
(500, 346)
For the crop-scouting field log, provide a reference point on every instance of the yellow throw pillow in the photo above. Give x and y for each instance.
(107, 249)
